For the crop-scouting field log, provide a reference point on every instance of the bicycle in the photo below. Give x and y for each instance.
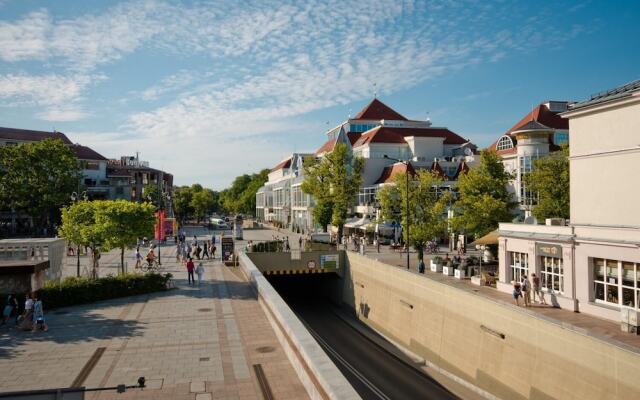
(152, 266)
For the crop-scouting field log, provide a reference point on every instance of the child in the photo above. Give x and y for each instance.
(200, 272)
(517, 293)
(38, 314)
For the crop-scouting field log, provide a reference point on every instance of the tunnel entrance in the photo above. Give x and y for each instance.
(373, 366)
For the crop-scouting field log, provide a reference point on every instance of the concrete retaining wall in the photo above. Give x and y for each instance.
(316, 371)
(499, 348)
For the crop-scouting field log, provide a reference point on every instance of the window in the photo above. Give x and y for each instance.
(504, 143)
(92, 165)
(616, 282)
(560, 138)
(526, 197)
(519, 265)
(552, 274)
(367, 195)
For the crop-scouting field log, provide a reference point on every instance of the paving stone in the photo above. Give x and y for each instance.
(197, 387)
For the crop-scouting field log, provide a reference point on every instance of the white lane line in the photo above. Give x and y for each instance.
(346, 364)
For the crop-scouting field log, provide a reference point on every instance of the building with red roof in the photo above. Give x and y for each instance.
(373, 133)
(540, 132)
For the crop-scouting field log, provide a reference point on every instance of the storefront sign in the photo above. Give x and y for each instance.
(548, 250)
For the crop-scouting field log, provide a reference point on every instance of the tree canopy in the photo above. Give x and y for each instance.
(37, 178)
(240, 197)
(427, 206)
(550, 180)
(334, 182)
(194, 201)
(103, 225)
(484, 199)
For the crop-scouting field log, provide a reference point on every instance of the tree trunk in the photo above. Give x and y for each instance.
(122, 259)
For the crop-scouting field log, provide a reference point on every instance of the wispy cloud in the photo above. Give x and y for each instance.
(261, 63)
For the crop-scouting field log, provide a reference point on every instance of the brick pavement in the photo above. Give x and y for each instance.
(190, 342)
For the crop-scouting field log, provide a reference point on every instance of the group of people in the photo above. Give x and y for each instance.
(524, 288)
(199, 270)
(196, 249)
(31, 317)
(150, 257)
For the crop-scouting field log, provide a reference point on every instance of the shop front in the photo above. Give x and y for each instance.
(544, 250)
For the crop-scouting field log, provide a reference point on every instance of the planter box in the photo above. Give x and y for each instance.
(476, 280)
(435, 267)
(459, 274)
(447, 271)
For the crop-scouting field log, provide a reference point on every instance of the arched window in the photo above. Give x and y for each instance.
(504, 143)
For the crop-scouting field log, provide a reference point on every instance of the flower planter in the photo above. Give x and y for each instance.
(447, 271)
(476, 280)
(459, 274)
(435, 267)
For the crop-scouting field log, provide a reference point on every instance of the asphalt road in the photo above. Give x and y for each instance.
(375, 372)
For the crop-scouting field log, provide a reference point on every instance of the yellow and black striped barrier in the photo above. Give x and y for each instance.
(297, 271)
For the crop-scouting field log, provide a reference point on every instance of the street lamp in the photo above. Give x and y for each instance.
(406, 163)
(76, 198)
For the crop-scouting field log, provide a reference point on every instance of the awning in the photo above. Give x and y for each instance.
(489, 238)
(357, 223)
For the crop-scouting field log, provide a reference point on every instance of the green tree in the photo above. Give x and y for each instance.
(103, 225)
(334, 180)
(203, 202)
(182, 208)
(37, 178)
(79, 226)
(322, 212)
(484, 199)
(427, 207)
(122, 223)
(550, 180)
(240, 197)
(151, 194)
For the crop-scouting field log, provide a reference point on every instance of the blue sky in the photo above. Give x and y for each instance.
(208, 90)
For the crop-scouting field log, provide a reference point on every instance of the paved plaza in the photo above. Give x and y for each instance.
(200, 343)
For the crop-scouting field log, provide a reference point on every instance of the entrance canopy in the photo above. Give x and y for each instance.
(489, 238)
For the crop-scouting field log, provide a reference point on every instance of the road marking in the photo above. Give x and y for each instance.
(346, 364)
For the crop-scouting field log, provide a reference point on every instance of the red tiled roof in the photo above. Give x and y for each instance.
(463, 168)
(284, 164)
(86, 153)
(329, 144)
(437, 169)
(541, 114)
(384, 134)
(377, 110)
(389, 172)
(28, 135)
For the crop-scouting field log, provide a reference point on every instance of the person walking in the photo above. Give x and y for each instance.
(537, 289)
(138, 258)
(190, 267)
(200, 272)
(9, 308)
(421, 266)
(213, 251)
(38, 314)
(526, 289)
(517, 293)
(178, 252)
(26, 319)
(205, 250)
(300, 243)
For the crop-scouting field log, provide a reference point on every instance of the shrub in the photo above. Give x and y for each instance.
(437, 260)
(72, 291)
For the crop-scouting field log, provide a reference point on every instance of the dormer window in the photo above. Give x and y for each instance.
(504, 143)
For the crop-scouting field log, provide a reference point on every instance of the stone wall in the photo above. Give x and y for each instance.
(497, 347)
(52, 249)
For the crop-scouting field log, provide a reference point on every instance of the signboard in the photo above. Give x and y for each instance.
(548, 250)
(330, 261)
(227, 248)
(158, 232)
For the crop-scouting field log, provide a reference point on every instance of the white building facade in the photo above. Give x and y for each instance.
(591, 265)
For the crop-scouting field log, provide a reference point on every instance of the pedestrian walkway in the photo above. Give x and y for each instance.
(199, 343)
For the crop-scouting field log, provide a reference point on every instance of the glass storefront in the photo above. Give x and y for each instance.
(519, 265)
(552, 274)
(616, 282)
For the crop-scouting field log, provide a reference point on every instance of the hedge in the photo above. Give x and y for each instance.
(73, 291)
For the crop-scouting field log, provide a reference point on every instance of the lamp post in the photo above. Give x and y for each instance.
(76, 198)
(406, 163)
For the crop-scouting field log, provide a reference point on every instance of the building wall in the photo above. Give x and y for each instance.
(426, 147)
(605, 151)
(458, 330)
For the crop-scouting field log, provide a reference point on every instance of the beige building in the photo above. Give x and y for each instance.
(592, 264)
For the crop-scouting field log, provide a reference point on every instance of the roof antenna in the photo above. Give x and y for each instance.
(375, 90)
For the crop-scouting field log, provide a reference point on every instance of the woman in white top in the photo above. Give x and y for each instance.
(200, 272)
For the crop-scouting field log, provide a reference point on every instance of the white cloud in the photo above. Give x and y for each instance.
(57, 95)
